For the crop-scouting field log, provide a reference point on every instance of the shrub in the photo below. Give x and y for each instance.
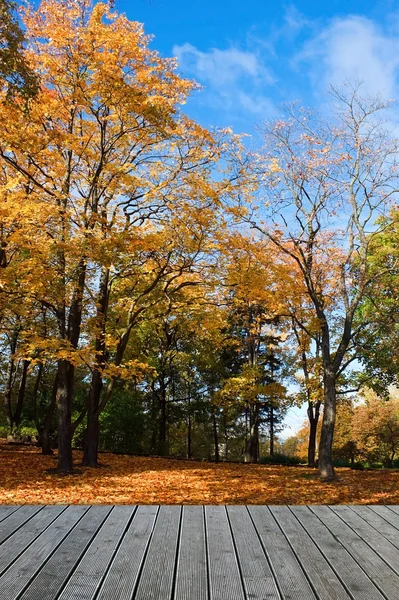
(280, 459)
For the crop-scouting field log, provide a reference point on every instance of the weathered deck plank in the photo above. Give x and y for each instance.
(192, 572)
(378, 571)
(156, 581)
(257, 576)
(199, 553)
(349, 572)
(224, 574)
(289, 575)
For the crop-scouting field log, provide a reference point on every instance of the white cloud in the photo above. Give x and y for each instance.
(232, 78)
(353, 48)
(217, 67)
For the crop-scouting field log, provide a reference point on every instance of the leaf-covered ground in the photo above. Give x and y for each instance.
(142, 480)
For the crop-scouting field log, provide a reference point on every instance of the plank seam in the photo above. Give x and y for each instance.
(370, 525)
(32, 541)
(348, 549)
(11, 513)
(236, 553)
(22, 524)
(208, 582)
(265, 552)
(313, 539)
(178, 544)
(371, 507)
(111, 560)
(366, 542)
(50, 555)
(139, 573)
(296, 557)
(79, 558)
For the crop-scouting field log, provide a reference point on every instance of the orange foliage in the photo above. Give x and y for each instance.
(146, 480)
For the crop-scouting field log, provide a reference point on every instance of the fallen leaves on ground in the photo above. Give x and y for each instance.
(148, 480)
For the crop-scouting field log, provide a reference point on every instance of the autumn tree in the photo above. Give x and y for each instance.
(16, 75)
(375, 426)
(99, 169)
(324, 184)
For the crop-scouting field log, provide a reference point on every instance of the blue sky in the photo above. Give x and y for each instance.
(252, 56)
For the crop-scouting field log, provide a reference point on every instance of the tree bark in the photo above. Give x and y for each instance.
(45, 432)
(252, 445)
(9, 379)
(326, 468)
(91, 438)
(271, 431)
(64, 409)
(92, 433)
(313, 415)
(21, 394)
(162, 441)
(215, 435)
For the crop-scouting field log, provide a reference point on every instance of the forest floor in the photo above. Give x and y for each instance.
(24, 479)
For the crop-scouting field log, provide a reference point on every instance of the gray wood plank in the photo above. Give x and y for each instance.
(376, 521)
(15, 520)
(292, 582)
(322, 577)
(17, 577)
(122, 576)
(377, 542)
(88, 575)
(6, 510)
(347, 569)
(378, 571)
(387, 514)
(224, 576)
(257, 576)
(192, 574)
(56, 571)
(23, 537)
(156, 580)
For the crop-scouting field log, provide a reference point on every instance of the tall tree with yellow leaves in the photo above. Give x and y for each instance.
(100, 162)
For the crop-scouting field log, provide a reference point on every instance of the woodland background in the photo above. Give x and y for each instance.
(170, 290)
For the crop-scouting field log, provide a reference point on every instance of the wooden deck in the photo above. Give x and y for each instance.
(199, 553)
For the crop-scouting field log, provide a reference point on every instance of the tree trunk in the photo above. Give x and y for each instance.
(251, 447)
(9, 379)
(34, 399)
(271, 431)
(162, 440)
(64, 409)
(21, 394)
(326, 469)
(189, 436)
(92, 433)
(313, 415)
(91, 438)
(45, 433)
(215, 435)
